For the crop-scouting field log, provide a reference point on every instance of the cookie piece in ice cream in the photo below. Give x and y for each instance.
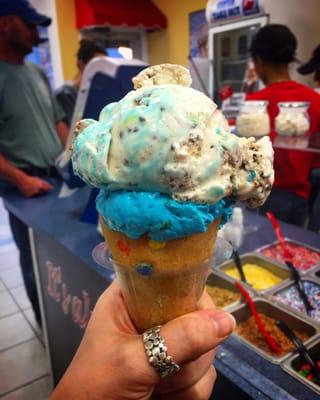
(256, 174)
(162, 74)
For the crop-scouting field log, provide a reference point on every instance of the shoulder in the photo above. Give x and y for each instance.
(260, 95)
(313, 99)
(311, 93)
(33, 67)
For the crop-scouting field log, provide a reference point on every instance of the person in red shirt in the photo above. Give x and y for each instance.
(272, 50)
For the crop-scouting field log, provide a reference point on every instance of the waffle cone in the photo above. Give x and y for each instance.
(161, 280)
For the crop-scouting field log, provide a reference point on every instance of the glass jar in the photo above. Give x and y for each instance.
(292, 124)
(253, 119)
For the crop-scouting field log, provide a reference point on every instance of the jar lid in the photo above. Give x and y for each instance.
(256, 103)
(254, 106)
(293, 104)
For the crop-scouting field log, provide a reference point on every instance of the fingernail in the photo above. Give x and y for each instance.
(224, 322)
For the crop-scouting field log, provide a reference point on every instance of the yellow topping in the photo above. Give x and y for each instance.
(156, 245)
(259, 277)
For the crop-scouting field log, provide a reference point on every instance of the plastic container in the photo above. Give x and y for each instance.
(253, 119)
(292, 124)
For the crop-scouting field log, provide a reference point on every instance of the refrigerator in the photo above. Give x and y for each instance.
(229, 54)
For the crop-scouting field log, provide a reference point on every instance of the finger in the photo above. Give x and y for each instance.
(189, 374)
(195, 334)
(201, 390)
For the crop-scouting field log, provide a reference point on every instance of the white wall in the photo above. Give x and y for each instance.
(47, 7)
(303, 19)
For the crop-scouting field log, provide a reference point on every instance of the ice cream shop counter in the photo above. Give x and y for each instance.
(70, 281)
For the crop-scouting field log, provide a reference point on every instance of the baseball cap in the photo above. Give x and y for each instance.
(24, 10)
(313, 64)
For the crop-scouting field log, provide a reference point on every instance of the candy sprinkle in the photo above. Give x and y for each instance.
(290, 296)
(123, 246)
(145, 269)
(156, 245)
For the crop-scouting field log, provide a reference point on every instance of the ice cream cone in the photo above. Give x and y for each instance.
(167, 166)
(161, 280)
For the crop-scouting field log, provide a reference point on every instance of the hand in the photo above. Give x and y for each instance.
(32, 186)
(111, 362)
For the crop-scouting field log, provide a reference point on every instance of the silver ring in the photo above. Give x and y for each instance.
(156, 351)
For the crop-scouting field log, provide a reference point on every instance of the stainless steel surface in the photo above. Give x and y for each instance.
(253, 258)
(222, 281)
(295, 322)
(272, 293)
(295, 242)
(291, 364)
(316, 274)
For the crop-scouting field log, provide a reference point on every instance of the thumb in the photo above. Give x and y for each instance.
(187, 338)
(194, 334)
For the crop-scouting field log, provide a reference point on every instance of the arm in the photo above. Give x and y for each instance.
(62, 131)
(9, 172)
(28, 185)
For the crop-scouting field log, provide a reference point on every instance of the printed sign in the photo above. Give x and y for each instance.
(222, 10)
(77, 307)
(69, 290)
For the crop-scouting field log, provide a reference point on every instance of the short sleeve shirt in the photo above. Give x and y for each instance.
(28, 114)
(292, 167)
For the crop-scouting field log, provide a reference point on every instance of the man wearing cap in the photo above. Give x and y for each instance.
(32, 133)
(313, 65)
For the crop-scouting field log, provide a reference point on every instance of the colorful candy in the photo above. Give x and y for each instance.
(291, 298)
(145, 269)
(303, 258)
(123, 246)
(305, 371)
(260, 278)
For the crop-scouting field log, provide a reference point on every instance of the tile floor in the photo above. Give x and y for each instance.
(24, 371)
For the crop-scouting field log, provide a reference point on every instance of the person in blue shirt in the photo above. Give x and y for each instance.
(32, 133)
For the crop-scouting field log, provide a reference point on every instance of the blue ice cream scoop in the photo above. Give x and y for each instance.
(157, 215)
